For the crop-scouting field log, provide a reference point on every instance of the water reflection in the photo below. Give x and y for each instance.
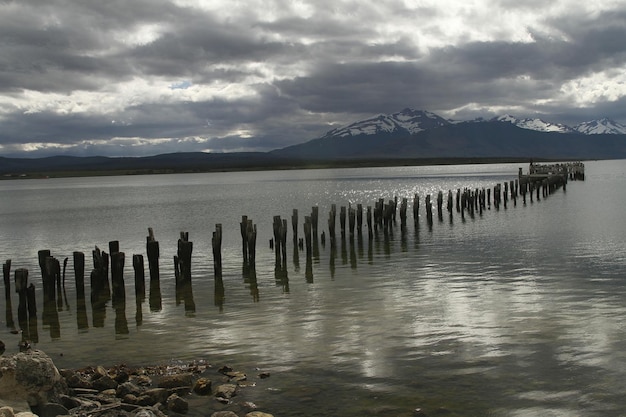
(484, 307)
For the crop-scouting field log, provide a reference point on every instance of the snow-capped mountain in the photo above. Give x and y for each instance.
(407, 121)
(534, 124)
(410, 122)
(602, 126)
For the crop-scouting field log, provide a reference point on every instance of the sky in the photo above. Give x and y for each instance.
(146, 77)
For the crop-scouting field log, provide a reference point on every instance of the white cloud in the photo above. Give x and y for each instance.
(282, 69)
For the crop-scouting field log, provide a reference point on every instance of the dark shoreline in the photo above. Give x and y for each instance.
(241, 166)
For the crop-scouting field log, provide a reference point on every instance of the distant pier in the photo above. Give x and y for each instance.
(546, 178)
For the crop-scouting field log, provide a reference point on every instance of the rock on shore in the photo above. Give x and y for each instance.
(30, 384)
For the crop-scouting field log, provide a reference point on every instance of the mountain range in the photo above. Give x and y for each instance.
(409, 136)
(411, 121)
(414, 133)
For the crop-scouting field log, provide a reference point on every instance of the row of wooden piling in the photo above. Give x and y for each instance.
(379, 217)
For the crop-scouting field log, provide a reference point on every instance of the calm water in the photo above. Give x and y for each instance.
(518, 312)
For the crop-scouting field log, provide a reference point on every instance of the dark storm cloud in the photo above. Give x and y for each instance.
(493, 73)
(246, 82)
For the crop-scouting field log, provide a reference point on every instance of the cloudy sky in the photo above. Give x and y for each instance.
(143, 77)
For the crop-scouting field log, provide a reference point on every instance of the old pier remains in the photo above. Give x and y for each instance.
(539, 182)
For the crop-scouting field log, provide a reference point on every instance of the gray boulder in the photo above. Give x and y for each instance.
(29, 379)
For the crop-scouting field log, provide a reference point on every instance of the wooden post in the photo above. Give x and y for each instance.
(140, 277)
(31, 301)
(359, 218)
(47, 281)
(216, 241)
(403, 208)
(342, 221)
(33, 332)
(52, 279)
(243, 226)
(153, 252)
(79, 278)
(79, 273)
(416, 207)
(294, 225)
(395, 207)
(21, 283)
(351, 220)
(118, 259)
(370, 232)
(307, 235)
(314, 219)
(440, 205)
(332, 215)
(185, 249)
(429, 210)
(251, 242)
(387, 216)
(183, 272)
(283, 240)
(6, 273)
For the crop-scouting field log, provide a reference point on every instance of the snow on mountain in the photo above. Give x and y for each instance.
(407, 121)
(534, 124)
(410, 121)
(602, 126)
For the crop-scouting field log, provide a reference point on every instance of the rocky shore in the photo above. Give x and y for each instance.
(31, 385)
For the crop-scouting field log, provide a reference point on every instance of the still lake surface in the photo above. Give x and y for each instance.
(515, 312)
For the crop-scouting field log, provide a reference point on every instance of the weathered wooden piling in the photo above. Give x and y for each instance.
(332, 215)
(359, 218)
(294, 225)
(140, 277)
(283, 239)
(387, 216)
(394, 208)
(153, 252)
(32, 334)
(370, 231)
(114, 247)
(31, 301)
(351, 220)
(308, 230)
(51, 276)
(342, 221)
(243, 228)
(118, 290)
(314, 219)
(277, 226)
(440, 205)
(251, 233)
(6, 273)
(79, 278)
(216, 242)
(100, 291)
(182, 262)
(416, 207)
(47, 285)
(21, 283)
(403, 208)
(497, 196)
(182, 273)
(429, 210)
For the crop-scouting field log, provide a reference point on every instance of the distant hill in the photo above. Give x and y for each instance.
(174, 162)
